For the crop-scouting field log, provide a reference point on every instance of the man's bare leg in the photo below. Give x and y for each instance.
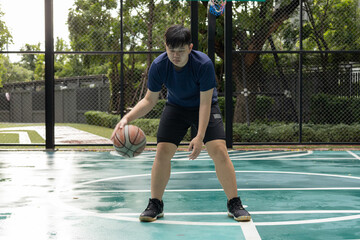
(226, 174)
(161, 169)
(224, 168)
(160, 175)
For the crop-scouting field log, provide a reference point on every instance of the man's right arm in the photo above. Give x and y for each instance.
(141, 109)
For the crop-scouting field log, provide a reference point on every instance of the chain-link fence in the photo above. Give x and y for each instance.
(296, 81)
(293, 81)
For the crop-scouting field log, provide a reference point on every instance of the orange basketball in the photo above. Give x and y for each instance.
(130, 141)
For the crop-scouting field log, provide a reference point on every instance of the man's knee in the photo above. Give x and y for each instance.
(217, 150)
(165, 151)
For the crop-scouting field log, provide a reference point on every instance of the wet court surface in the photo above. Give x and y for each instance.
(99, 195)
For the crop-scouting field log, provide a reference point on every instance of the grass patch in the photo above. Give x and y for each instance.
(97, 130)
(100, 131)
(9, 125)
(9, 137)
(14, 138)
(36, 138)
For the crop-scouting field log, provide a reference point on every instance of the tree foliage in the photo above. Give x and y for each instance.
(95, 26)
(5, 39)
(11, 73)
(5, 35)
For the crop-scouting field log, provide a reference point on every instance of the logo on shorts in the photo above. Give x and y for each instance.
(217, 116)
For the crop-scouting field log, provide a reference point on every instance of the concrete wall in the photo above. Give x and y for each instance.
(70, 105)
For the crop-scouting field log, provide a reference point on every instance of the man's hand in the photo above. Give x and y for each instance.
(119, 126)
(195, 146)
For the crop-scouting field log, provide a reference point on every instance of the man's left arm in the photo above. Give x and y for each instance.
(204, 116)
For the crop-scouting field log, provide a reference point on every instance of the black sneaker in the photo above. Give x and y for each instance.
(237, 211)
(153, 211)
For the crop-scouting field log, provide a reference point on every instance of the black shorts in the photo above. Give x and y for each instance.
(175, 122)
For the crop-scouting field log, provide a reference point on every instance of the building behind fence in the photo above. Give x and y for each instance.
(74, 96)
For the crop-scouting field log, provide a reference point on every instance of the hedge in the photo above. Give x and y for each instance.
(329, 109)
(263, 106)
(256, 132)
(279, 132)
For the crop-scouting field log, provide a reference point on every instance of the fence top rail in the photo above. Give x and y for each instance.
(80, 79)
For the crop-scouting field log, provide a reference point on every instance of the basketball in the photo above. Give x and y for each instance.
(130, 141)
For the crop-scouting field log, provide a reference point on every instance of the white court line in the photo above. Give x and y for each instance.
(139, 159)
(282, 223)
(252, 213)
(220, 190)
(133, 217)
(195, 172)
(311, 221)
(244, 153)
(252, 156)
(292, 155)
(353, 154)
(278, 154)
(249, 230)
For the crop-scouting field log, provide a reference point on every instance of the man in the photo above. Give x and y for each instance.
(189, 77)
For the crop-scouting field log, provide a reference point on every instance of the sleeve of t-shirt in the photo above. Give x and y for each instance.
(207, 76)
(154, 83)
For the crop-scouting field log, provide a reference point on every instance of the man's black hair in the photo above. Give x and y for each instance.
(177, 36)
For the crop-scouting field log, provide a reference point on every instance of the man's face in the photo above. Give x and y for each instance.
(179, 56)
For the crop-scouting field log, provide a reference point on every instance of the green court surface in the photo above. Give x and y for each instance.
(69, 195)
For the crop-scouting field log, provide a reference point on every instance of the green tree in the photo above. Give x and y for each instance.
(331, 25)
(253, 24)
(11, 73)
(5, 39)
(29, 61)
(66, 65)
(94, 25)
(274, 25)
(39, 71)
(3, 70)
(145, 22)
(5, 35)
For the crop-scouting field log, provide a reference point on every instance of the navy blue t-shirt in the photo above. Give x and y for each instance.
(184, 86)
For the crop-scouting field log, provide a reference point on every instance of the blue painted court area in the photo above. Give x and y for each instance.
(98, 195)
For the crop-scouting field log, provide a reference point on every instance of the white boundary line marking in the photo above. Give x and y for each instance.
(252, 156)
(252, 213)
(281, 223)
(138, 159)
(323, 220)
(245, 153)
(279, 154)
(177, 173)
(268, 155)
(293, 155)
(194, 172)
(353, 154)
(220, 190)
(133, 217)
(249, 230)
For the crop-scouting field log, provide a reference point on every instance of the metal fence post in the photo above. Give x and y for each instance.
(228, 76)
(195, 39)
(301, 73)
(122, 94)
(49, 76)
